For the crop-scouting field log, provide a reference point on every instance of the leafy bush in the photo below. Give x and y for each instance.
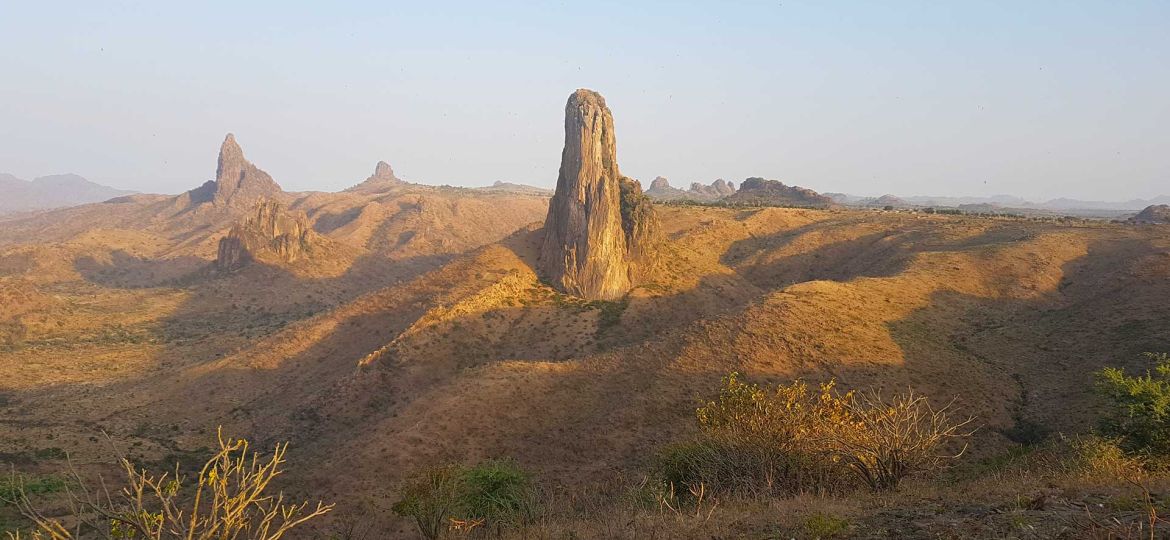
(1139, 407)
(491, 494)
(796, 438)
(761, 442)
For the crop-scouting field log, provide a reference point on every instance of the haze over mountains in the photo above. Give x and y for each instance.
(64, 190)
(55, 191)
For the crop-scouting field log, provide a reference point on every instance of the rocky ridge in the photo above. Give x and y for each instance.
(760, 191)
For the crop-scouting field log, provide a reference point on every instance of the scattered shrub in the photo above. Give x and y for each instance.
(1139, 407)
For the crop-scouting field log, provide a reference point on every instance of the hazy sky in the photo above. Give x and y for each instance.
(1038, 99)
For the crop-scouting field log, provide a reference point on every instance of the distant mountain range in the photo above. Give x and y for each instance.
(1008, 202)
(56, 191)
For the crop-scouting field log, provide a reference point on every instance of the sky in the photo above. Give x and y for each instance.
(1036, 99)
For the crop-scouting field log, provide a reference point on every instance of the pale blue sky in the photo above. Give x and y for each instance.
(1038, 99)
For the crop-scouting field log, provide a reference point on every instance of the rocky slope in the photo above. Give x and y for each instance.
(268, 234)
(759, 191)
(1155, 213)
(601, 230)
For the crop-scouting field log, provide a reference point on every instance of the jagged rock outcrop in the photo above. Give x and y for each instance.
(723, 187)
(269, 234)
(382, 179)
(1155, 213)
(601, 235)
(237, 181)
(660, 189)
(759, 191)
(659, 183)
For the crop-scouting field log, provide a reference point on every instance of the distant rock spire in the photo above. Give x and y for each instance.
(601, 233)
(382, 180)
(383, 171)
(237, 181)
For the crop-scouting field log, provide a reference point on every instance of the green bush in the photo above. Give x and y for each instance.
(492, 494)
(1139, 407)
(499, 493)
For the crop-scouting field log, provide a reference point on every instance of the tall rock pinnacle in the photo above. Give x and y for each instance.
(601, 233)
(237, 181)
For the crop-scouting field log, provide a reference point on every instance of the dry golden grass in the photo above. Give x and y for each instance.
(435, 350)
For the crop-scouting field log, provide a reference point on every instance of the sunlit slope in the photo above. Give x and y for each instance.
(478, 358)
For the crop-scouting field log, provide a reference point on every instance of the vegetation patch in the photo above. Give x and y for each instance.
(795, 438)
(492, 495)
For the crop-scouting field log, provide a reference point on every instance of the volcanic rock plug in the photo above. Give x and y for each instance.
(601, 233)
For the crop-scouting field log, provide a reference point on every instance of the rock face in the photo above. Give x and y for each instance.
(237, 181)
(1155, 213)
(269, 234)
(601, 235)
(723, 187)
(660, 189)
(759, 191)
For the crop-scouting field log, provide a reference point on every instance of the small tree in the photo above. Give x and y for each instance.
(1139, 407)
(230, 499)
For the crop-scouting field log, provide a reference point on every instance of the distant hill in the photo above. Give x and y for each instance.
(1155, 213)
(761, 191)
(56, 191)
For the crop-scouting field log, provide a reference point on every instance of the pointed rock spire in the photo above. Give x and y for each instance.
(382, 179)
(601, 231)
(237, 181)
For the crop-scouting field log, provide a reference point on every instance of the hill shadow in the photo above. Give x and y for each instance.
(128, 271)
